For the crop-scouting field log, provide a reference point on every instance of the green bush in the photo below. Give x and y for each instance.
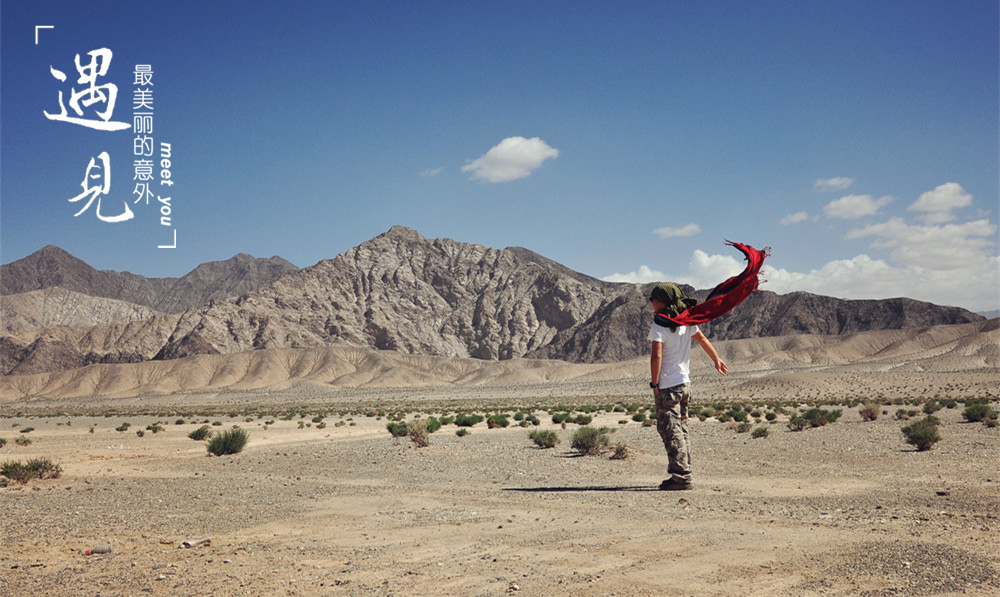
(433, 424)
(543, 438)
(739, 416)
(462, 432)
(797, 423)
(978, 412)
(770, 416)
(743, 426)
(560, 418)
(621, 452)
(931, 407)
(818, 417)
(22, 440)
(590, 440)
(155, 428)
(27, 430)
(200, 433)
(468, 420)
(759, 432)
(36, 468)
(231, 441)
(494, 421)
(397, 429)
(923, 433)
(447, 420)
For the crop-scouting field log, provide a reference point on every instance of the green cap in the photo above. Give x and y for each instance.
(673, 297)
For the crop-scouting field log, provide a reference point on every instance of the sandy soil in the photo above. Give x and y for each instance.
(846, 509)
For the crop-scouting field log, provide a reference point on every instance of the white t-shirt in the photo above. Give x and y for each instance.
(675, 365)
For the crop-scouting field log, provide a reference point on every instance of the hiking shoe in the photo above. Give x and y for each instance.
(672, 485)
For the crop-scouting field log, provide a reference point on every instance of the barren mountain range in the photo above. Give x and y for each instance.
(398, 291)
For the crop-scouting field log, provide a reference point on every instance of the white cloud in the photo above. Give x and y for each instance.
(643, 275)
(852, 207)
(948, 247)
(973, 286)
(795, 218)
(512, 158)
(939, 203)
(432, 172)
(838, 183)
(683, 231)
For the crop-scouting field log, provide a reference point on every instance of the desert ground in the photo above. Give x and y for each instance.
(344, 509)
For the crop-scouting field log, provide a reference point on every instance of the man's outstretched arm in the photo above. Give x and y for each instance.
(720, 365)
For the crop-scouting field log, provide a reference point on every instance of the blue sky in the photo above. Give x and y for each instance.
(625, 140)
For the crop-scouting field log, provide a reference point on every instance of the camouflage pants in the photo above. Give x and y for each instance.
(671, 423)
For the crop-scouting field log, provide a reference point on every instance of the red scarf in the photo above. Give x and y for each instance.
(725, 296)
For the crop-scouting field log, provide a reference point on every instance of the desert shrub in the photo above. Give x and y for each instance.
(447, 420)
(155, 428)
(759, 432)
(317, 419)
(978, 412)
(321, 425)
(932, 407)
(582, 419)
(951, 404)
(27, 430)
(519, 416)
(533, 420)
(433, 424)
(923, 433)
(543, 438)
(757, 413)
(818, 417)
(494, 421)
(3, 442)
(397, 429)
(797, 423)
(639, 417)
(869, 412)
(462, 432)
(902, 414)
(770, 416)
(742, 427)
(621, 452)
(200, 433)
(468, 420)
(560, 418)
(22, 440)
(991, 422)
(140, 433)
(417, 431)
(649, 422)
(231, 441)
(590, 440)
(36, 468)
(179, 422)
(216, 423)
(739, 416)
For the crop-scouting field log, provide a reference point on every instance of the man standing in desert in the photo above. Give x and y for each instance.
(669, 364)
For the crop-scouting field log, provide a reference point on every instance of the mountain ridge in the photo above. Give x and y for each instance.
(403, 292)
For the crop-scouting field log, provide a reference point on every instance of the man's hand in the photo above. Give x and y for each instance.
(721, 367)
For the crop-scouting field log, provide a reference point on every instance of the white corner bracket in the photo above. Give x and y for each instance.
(37, 27)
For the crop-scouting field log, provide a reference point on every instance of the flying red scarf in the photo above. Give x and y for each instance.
(725, 296)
